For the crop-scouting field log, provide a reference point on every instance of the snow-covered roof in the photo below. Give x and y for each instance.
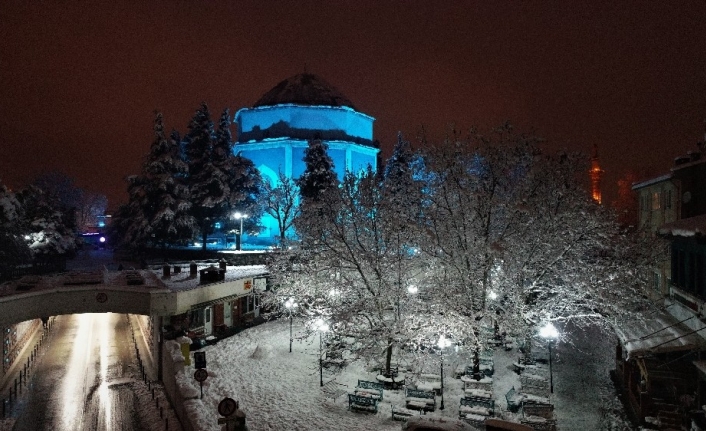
(658, 334)
(649, 182)
(692, 226)
(183, 281)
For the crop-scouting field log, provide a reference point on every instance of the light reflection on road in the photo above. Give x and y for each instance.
(82, 380)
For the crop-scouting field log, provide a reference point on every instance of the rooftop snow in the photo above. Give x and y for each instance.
(693, 226)
(662, 333)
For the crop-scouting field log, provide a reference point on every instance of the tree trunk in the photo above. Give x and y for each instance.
(388, 356)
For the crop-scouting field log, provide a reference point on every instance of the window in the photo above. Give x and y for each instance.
(643, 202)
(668, 200)
(656, 281)
(656, 197)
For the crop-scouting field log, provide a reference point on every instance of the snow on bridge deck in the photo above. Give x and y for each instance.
(137, 292)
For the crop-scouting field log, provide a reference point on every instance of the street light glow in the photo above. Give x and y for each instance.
(320, 325)
(413, 289)
(549, 332)
(443, 342)
(290, 304)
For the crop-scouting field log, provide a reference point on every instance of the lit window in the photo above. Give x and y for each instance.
(655, 200)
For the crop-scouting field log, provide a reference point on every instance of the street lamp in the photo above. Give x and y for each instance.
(322, 327)
(412, 289)
(442, 343)
(291, 305)
(240, 216)
(549, 333)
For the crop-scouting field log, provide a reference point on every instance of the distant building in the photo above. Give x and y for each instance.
(275, 132)
(596, 176)
(659, 365)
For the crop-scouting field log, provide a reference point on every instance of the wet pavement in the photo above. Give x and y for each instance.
(83, 381)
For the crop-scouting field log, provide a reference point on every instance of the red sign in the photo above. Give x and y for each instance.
(247, 285)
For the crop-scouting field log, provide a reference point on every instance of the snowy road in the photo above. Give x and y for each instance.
(83, 381)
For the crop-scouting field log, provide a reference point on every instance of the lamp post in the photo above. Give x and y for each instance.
(291, 305)
(442, 343)
(322, 327)
(549, 333)
(240, 216)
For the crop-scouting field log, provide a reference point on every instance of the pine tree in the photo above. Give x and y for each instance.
(168, 213)
(208, 188)
(13, 249)
(219, 181)
(319, 174)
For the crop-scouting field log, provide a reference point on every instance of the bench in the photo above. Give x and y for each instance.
(430, 382)
(541, 410)
(363, 404)
(402, 414)
(420, 400)
(333, 390)
(334, 359)
(369, 389)
(486, 383)
(539, 423)
(533, 384)
(391, 380)
(476, 405)
(514, 400)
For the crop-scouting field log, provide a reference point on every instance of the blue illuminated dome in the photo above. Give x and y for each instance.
(275, 132)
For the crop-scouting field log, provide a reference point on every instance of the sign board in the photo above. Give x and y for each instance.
(227, 407)
(201, 375)
(200, 360)
(247, 284)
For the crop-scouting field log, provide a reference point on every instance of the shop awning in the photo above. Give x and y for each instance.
(661, 333)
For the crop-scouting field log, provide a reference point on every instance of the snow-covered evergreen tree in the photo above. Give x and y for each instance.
(44, 226)
(13, 248)
(219, 181)
(168, 213)
(318, 176)
(208, 185)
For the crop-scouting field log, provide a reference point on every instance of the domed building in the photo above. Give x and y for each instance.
(275, 132)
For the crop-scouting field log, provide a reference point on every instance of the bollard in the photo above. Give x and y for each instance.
(166, 424)
(161, 412)
(157, 402)
(152, 393)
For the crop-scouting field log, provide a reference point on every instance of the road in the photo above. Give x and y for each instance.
(84, 378)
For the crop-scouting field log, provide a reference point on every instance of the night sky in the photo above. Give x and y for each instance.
(80, 81)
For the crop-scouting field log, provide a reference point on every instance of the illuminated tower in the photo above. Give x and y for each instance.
(596, 174)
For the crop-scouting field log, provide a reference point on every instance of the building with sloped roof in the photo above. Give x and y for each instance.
(275, 131)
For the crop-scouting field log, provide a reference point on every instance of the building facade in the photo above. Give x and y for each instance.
(275, 131)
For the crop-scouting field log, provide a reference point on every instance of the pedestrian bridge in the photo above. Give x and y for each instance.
(133, 292)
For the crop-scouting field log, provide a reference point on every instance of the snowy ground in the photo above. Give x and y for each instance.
(279, 390)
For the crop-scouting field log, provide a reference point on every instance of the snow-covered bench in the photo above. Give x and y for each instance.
(485, 383)
(420, 400)
(538, 423)
(401, 413)
(392, 380)
(543, 410)
(369, 389)
(476, 405)
(429, 382)
(360, 403)
(534, 384)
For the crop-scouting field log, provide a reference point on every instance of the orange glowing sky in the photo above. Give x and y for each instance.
(79, 81)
